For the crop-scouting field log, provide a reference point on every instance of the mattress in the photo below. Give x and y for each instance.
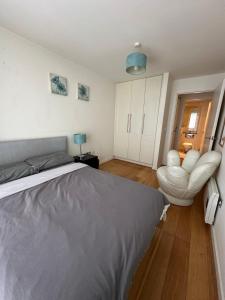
(74, 233)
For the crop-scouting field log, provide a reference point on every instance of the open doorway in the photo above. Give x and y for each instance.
(193, 111)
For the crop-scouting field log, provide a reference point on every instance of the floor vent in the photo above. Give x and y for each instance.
(211, 201)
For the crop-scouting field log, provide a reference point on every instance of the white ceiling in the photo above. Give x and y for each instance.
(184, 37)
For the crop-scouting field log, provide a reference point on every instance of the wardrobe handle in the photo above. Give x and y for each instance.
(143, 123)
(130, 123)
(128, 120)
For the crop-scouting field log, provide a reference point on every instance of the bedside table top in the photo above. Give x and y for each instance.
(88, 159)
(86, 156)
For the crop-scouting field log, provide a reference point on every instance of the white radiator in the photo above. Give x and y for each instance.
(211, 201)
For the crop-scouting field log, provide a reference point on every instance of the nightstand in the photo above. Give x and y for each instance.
(88, 159)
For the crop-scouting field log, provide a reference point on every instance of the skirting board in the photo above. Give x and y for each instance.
(133, 161)
(102, 161)
(217, 266)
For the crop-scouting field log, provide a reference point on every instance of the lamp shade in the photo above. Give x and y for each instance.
(136, 63)
(79, 138)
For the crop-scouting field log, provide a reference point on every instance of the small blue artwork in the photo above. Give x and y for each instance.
(58, 85)
(83, 92)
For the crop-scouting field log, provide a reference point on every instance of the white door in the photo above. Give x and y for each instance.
(150, 116)
(216, 104)
(122, 114)
(135, 121)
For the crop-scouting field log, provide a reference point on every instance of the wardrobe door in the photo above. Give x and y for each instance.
(150, 116)
(122, 115)
(135, 121)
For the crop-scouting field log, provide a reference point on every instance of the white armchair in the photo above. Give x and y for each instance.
(181, 183)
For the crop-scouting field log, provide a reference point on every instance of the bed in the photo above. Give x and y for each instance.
(71, 232)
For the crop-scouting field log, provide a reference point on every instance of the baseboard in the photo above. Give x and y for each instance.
(217, 265)
(102, 161)
(133, 161)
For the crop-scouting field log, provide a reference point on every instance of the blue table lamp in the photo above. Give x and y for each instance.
(79, 139)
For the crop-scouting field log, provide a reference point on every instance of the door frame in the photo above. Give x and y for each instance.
(178, 93)
(179, 118)
(220, 102)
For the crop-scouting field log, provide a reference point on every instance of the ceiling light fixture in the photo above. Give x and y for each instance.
(136, 62)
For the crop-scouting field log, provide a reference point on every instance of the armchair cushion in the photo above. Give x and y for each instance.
(177, 176)
(190, 160)
(173, 158)
(173, 185)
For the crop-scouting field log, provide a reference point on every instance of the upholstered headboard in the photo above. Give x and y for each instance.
(15, 151)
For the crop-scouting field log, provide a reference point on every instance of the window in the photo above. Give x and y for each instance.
(193, 121)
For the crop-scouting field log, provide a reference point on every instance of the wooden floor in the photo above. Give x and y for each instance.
(179, 263)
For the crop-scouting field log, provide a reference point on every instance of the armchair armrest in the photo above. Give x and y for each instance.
(200, 176)
(173, 158)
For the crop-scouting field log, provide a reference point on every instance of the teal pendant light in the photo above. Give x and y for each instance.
(136, 62)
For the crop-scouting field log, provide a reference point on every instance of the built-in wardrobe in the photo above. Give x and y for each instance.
(139, 115)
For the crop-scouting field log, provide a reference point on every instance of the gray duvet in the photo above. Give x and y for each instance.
(77, 237)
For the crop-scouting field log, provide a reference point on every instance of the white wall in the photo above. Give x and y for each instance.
(183, 86)
(29, 110)
(218, 230)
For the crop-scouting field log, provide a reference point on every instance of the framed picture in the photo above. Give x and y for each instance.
(83, 92)
(58, 84)
(222, 135)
